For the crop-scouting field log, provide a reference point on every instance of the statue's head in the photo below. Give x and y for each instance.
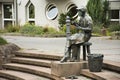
(82, 11)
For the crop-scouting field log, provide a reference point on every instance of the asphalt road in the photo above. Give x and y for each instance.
(102, 45)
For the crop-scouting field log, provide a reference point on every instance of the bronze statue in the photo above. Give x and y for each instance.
(84, 28)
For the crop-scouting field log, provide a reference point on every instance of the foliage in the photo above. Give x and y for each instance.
(62, 18)
(2, 41)
(52, 32)
(105, 16)
(72, 29)
(2, 31)
(45, 31)
(98, 10)
(97, 28)
(31, 29)
(62, 22)
(95, 9)
(48, 30)
(11, 28)
(114, 27)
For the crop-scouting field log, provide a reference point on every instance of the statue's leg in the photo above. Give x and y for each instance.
(66, 57)
(74, 52)
(78, 53)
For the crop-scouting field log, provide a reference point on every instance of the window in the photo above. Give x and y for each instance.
(7, 11)
(30, 13)
(114, 14)
(52, 12)
(8, 16)
(72, 10)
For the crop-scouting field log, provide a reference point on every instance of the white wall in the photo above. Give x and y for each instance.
(115, 5)
(40, 10)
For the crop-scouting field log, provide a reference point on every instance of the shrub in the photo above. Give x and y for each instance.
(62, 18)
(72, 29)
(52, 32)
(2, 41)
(114, 27)
(45, 29)
(2, 31)
(31, 29)
(49, 30)
(97, 28)
(11, 28)
(39, 30)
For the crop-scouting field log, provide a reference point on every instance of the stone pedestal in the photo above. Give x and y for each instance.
(67, 68)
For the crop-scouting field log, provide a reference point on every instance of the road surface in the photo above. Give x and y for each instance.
(102, 45)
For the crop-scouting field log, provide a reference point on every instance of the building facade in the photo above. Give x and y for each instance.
(114, 10)
(44, 12)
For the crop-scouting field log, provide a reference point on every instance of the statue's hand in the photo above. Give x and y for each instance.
(73, 23)
(79, 27)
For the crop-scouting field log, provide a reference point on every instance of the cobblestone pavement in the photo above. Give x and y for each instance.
(102, 45)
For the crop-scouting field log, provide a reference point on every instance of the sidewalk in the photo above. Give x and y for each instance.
(110, 48)
(101, 45)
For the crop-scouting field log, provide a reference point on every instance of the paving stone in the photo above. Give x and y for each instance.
(42, 71)
(32, 61)
(112, 65)
(17, 75)
(39, 54)
(79, 78)
(38, 63)
(103, 75)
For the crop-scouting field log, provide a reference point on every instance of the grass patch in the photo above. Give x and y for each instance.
(2, 41)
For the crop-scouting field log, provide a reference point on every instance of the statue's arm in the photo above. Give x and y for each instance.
(76, 24)
(90, 23)
(88, 28)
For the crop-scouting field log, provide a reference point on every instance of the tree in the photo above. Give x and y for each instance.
(105, 18)
(98, 10)
(62, 18)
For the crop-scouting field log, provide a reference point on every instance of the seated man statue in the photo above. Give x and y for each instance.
(84, 29)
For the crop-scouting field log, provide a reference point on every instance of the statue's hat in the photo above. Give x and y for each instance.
(81, 8)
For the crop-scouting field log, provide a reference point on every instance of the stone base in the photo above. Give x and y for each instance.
(67, 68)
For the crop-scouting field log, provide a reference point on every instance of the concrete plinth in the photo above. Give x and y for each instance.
(67, 68)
